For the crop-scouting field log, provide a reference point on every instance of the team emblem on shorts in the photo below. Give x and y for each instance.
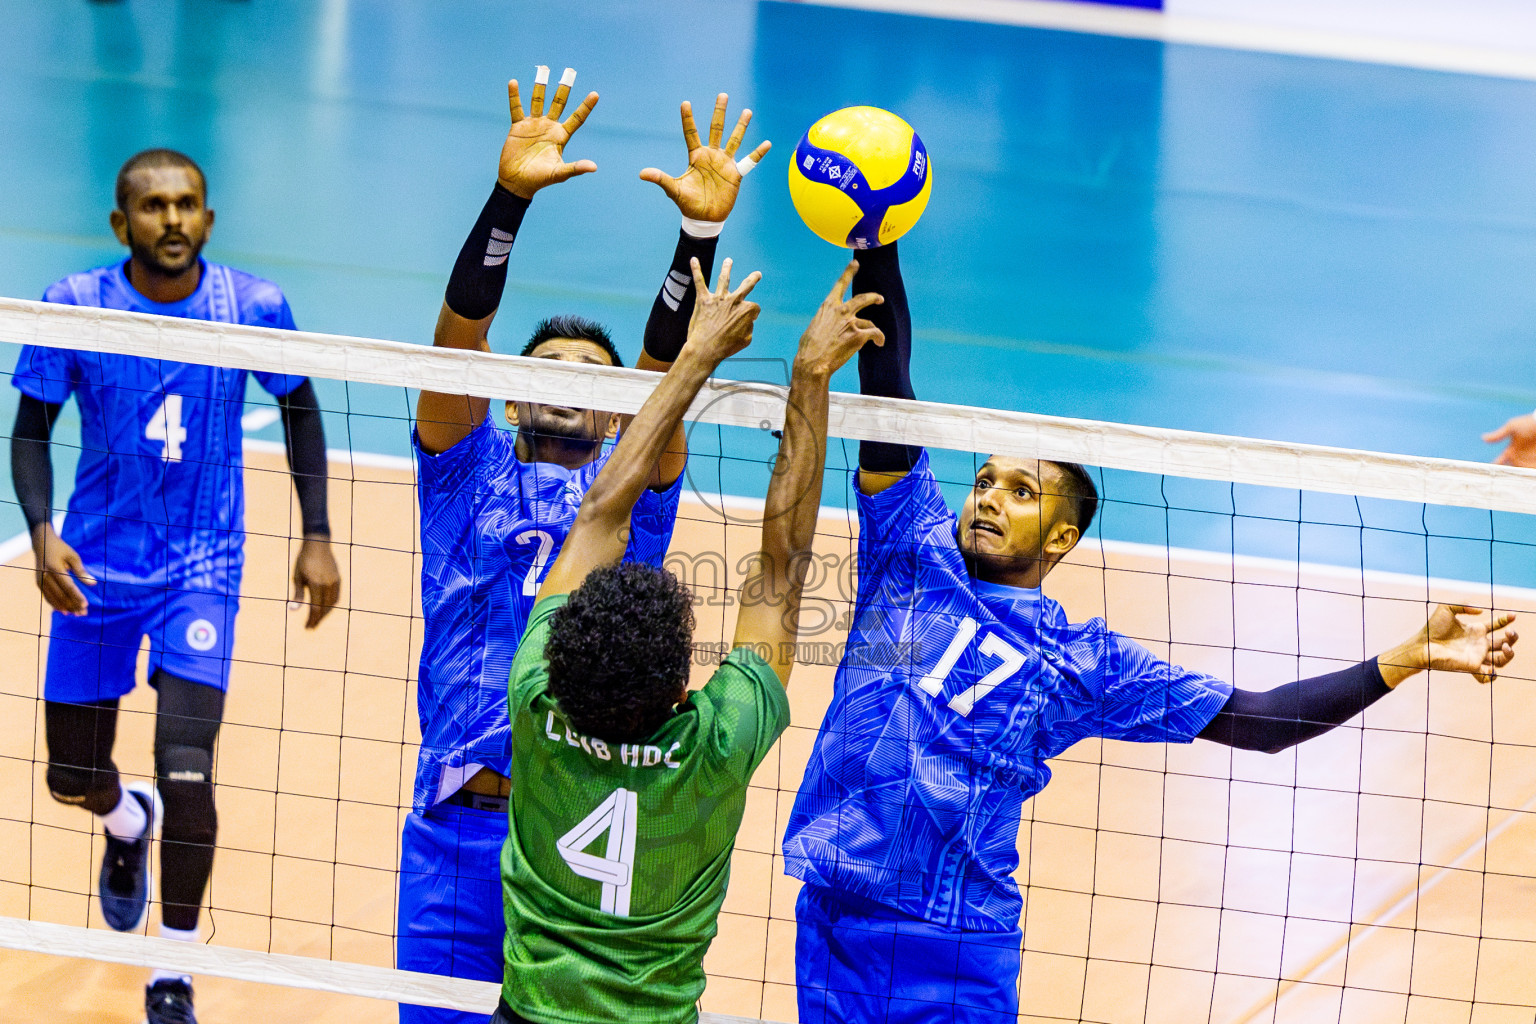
(201, 636)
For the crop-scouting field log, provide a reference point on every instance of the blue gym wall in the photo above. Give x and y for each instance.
(1193, 237)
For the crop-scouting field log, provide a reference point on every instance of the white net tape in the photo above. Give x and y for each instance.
(1154, 450)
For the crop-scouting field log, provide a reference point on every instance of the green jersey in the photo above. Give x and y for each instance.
(618, 854)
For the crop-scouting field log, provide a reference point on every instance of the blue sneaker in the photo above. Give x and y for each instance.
(124, 884)
(169, 1002)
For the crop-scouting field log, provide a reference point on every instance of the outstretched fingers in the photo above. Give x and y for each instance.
(747, 285)
(1502, 434)
(862, 301)
(569, 171)
(717, 120)
(723, 286)
(690, 130)
(514, 102)
(738, 133)
(579, 115)
(562, 93)
(540, 82)
(844, 281)
(700, 286)
(659, 177)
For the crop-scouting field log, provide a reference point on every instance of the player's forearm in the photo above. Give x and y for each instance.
(794, 494)
(885, 370)
(666, 330)
(304, 438)
(633, 464)
(31, 459)
(480, 273)
(1275, 720)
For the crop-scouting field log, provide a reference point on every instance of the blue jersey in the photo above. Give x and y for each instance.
(491, 526)
(948, 702)
(159, 497)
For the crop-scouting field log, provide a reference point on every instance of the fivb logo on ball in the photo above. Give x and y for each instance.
(860, 177)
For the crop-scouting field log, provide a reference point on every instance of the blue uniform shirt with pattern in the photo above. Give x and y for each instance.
(159, 497)
(950, 698)
(491, 526)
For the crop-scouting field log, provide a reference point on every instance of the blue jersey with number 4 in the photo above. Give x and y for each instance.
(159, 498)
(491, 526)
(949, 700)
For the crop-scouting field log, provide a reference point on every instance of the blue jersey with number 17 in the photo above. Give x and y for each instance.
(159, 499)
(951, 697)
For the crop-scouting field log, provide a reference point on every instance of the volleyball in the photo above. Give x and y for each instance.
(860, 177)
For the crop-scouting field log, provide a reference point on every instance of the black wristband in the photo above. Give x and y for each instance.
(667, 328)
(480, 272)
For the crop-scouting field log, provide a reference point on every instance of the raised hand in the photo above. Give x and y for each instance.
(1520, 432)
(707, 190)
(722, 319)
(1455, 639)
(837, 331)
(534, 154)
(58, 567)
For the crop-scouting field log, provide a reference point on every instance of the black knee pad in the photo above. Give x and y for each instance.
(70, 785)
(96, 791)
(186, 787)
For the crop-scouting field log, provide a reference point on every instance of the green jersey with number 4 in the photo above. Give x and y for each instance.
(618, 854)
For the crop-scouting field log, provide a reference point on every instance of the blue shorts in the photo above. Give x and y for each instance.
(861, 963)
(92, 657)
(450, 902)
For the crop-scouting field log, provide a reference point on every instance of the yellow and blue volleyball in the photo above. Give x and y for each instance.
(860, 177)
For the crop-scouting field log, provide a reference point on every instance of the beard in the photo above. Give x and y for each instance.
(163, 256)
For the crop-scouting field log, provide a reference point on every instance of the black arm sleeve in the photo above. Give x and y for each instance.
(1278, 719)
(885, 371)
(480, 273)
(667, 328)
(31, 461)
(304, 436)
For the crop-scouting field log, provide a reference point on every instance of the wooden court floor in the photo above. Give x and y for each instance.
(1383, 873)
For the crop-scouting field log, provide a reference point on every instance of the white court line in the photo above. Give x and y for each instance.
(1134, 23)
(257, 419)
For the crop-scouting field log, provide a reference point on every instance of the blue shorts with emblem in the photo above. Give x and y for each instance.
(91, 657)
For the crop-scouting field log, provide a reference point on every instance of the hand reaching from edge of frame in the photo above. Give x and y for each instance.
(1520, 432)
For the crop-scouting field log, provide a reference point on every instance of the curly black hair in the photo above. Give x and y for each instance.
(619, 651)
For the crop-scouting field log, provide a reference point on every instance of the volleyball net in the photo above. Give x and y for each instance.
(1381, 871)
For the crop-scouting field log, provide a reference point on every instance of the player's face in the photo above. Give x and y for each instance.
(1016, 521)
(165, 223)
(559, 420)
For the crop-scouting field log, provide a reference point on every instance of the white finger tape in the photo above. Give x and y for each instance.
(541, 75)
(744, 165)
(568, 77)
